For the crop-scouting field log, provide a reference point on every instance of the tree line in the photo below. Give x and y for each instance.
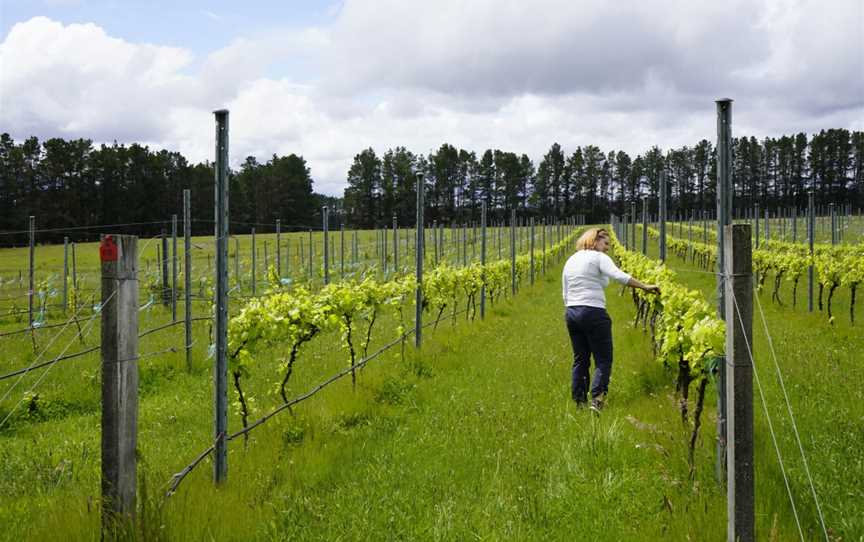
(72, 185)
(75, 184)
(774, 172)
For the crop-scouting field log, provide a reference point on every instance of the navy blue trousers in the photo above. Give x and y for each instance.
(590, 331)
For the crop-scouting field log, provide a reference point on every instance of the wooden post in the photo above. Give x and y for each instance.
(418, 315)
(119, 261)
(342, 249)
(220, 452)
(187, 273)
(739, 384)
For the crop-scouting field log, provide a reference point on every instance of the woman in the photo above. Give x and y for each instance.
(586, 274)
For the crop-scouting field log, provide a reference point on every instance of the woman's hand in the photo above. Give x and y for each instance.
(650, 288)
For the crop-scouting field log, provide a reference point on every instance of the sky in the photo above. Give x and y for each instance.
(328, 79)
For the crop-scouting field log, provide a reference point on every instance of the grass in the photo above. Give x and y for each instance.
(474, 437)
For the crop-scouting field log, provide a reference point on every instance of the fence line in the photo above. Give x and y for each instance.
(42, 377)
(93, 349)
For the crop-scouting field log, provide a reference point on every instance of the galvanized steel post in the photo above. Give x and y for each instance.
(418, 294)
(220, 452)
(724, 211)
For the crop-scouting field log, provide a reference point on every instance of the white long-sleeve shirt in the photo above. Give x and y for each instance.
(586, 274)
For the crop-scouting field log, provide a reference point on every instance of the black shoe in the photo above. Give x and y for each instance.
(597, 404)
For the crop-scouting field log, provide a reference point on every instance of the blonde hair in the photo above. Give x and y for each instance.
(588, 240)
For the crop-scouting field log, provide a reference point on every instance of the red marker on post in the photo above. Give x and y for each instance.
(108, 249)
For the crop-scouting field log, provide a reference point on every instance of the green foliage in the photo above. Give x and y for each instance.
(286, 318)
(834, 266)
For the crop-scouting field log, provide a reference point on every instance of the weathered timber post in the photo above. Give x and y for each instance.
(739, 384)
(119, 261)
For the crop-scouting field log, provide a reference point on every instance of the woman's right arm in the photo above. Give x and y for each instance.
(608, 267)
(650, 288)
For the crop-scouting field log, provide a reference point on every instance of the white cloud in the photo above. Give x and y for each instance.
(485, 74)
(76, 80)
